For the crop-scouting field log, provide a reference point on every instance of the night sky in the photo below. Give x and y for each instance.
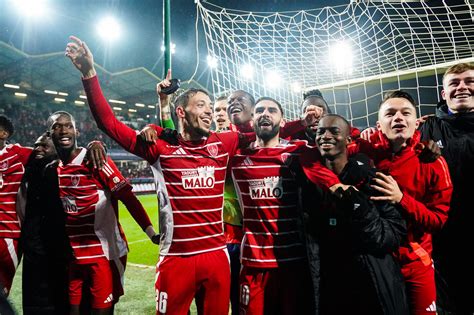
(140, 43)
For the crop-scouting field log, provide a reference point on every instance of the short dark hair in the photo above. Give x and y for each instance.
(7, 124)
(221, 98)
(346, 122)
(317, 94)
(183, 99)
(250, 96)
(50, 121)
(397, 94)
(267, 98)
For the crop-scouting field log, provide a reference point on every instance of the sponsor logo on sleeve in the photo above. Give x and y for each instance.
(202, 177)
(267, 188)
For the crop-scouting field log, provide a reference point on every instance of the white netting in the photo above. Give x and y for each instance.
(392, 45)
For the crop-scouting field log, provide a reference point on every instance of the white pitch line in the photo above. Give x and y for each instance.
(141, 266)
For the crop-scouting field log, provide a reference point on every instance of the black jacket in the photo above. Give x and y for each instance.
(351, 243)
(454, 133)
(44, 241)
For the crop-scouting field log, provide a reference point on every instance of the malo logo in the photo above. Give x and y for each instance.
(69, 204)
(267, 188)
(203, 177)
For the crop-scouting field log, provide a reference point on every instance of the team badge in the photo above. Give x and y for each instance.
(286, 158)
(116, 180)
(1, 180)
(4, 165)
(75, 180)
(212, 149)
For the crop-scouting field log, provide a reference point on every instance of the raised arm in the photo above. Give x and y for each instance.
(82, 58)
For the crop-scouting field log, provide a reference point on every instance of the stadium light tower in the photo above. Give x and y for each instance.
(273, 79)
(247, 71)
(340, 56)
(212, 62)
(31, 8)
(109, 29)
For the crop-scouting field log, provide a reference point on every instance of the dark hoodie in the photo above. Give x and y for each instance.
(454, 133)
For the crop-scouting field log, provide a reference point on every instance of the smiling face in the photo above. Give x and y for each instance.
(332, 137)
(239, 107)
(267, 120)
(397, 119)
(43, 148)
(63, 132)
(458, 91)
(196, 116)
(221, 119)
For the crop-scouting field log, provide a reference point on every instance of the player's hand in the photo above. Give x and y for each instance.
(156, 239)
(164, 98)
(338, 189)
(388, 187)
(81, 57)
(148, 134)
(312, 115)
(367, 133)
(428, 151)
(96, 154)
(424, 118)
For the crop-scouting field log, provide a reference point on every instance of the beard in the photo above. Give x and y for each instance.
(266, 134)
(192, 126)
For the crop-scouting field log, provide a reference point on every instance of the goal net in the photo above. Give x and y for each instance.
(352, 53)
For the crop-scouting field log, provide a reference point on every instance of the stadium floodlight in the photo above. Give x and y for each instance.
(117, 102)
(31, 8)
(83, 97)
(59, 99)
(340, 56)
(117, 108)
(296, 87)
(273, 79)
(11, 86)
(132, 110)
(109, 29)
(151, 106)
(139, 105)
(212, 62)
(247, 71)
(20, 94)
(173, 48)
(79, 103)
(63, 93)
(50, 92)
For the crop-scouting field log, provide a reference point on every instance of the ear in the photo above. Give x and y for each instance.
(282, 123)
(348, 140)
(443, 94)
(417, 123)
(180, 112)
(77, 133)
(377, 124)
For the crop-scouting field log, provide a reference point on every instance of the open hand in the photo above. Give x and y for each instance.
(388, 186)
(81, 57)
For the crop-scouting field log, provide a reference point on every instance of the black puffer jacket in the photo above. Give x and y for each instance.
(454, 133)
(351, 244)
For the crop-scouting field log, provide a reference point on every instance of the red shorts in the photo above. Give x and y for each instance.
(282, 290)
(104, 279)
(205, 277)
(421, 289)
(9, 258)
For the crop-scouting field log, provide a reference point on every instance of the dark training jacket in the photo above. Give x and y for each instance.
(351, 243)
(454, 134)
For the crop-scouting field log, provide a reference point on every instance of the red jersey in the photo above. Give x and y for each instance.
(426, 188)
(13, 158)
(268, 194)
(90, 200)
(189, 179)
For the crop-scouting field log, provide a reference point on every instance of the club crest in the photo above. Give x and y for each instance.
(286, 158)
(3, 165)
(75, 180)
(213, 149)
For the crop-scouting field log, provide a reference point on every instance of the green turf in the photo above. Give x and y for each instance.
(142, 250)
